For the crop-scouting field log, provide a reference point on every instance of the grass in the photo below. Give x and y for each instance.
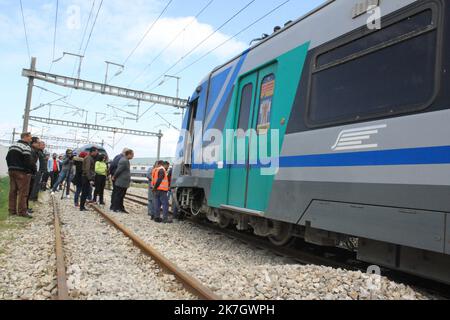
(5, 223)
(4, 190)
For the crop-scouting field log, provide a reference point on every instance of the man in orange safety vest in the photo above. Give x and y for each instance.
(161, 188)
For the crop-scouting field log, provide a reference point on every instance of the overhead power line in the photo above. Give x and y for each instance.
(25, 30)
(91, 12)
(56, 26)
(173, 40)
(147, 32)
(93, 27)
(233, 37)
(87, 26)
(202, 42)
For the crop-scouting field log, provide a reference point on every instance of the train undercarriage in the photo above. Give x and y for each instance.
(414, 261)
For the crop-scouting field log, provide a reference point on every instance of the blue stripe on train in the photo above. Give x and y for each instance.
(414, 156)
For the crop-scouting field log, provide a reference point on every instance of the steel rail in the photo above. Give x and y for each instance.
(321, 257)
(63, 291)
(191, 284)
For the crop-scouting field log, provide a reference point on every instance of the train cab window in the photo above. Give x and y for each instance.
(387, 72)
(246, 104)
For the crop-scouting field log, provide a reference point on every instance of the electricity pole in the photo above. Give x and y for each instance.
(13, 136)
(26, 115)
(159, 145)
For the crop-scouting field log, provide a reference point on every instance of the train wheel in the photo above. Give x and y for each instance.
(284, 236)
(224, 222)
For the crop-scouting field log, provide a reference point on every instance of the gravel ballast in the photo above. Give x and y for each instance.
(105, 265)
(235, 270)
(27, 258)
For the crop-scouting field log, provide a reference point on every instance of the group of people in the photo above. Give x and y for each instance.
(30, 168)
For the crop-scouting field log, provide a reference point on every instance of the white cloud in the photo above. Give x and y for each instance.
(167, 29)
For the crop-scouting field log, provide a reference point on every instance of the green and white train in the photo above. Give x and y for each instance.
(356, 112)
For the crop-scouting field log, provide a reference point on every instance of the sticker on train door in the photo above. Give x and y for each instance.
(265, 108)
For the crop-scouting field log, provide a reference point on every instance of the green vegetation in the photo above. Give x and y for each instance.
(6, 223)
(4, 190)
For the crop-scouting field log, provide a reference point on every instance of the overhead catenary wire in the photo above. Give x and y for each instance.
(146, 33)
(55, 30)
(233, 37)
(25, 30)
(54, 45)
(91, 12)
(93, 27)
(144, 36)
(202, 42)
(202, 10)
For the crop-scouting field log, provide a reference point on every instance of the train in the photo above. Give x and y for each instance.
(335, 129)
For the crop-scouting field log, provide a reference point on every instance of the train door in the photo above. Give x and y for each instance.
(238, 169)
(259, 176)
(189, 146)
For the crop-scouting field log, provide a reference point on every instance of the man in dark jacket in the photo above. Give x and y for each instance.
(20, 169)
(77, 179)
(45, 173)
(112, 170)
(88, 176)
(122, 181)
(36, 177)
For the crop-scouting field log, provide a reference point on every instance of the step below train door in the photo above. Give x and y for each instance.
(238, 161)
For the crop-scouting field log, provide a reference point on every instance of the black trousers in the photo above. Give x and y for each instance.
(35, 186)
(118, 199)
(85, 190)
(44, 182)
(100, 183)
(53, 178)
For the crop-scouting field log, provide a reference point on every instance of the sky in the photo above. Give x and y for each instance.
(125, 32)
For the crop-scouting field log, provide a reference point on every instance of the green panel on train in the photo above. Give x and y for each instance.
(250, 186)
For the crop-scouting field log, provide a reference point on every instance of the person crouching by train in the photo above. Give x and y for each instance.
(122, 181)
(160, 192)
(88, 177)
(101, 174)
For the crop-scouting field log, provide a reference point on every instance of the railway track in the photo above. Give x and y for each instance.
(190, 283)
(306, 254)
(63, 292)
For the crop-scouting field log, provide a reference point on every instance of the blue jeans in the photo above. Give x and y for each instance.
(65, 175)
(161, 199)
(151, 205)
(174, 205)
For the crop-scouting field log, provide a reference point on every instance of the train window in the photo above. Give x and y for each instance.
(246, 104)
(388, 72)
(265, 103)
(410, 26)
